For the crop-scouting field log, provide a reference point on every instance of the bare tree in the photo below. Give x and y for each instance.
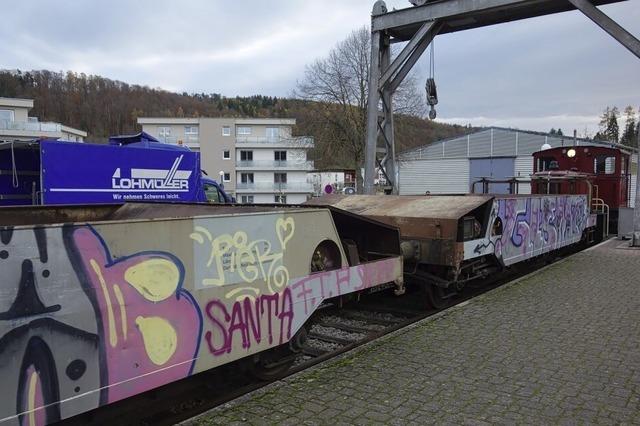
(338, 85)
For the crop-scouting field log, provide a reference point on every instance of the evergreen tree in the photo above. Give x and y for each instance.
(609, 130)
(604, 122)
(613, 130)
(629, 136)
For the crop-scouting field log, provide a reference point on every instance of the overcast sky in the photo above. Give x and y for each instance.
(554, 71)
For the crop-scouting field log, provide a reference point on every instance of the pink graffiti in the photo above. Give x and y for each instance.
(246, 320)
(312, 290)
(122, 310)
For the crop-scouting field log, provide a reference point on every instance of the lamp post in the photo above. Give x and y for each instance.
(635, 241)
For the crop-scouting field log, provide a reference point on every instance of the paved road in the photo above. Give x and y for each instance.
(561, 347)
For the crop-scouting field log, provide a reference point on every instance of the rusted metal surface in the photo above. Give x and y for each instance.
(419, 217)
(441, 252)
(38, 215)
(41, 215)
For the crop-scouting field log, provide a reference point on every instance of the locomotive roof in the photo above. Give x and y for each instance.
(592, 148)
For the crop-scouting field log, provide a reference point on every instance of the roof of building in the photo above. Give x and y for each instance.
(496, 142)
(16, 102)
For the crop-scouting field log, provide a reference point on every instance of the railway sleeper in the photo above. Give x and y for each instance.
(373, 320)
(331, 339)
(345, 327)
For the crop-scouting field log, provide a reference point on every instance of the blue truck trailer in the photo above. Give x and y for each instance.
(130, 168)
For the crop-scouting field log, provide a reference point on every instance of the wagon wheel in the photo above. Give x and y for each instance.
(326, 257)
(437, 297)
(274, 363)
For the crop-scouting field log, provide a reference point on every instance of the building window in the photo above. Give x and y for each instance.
(246, 177)
(273, 132)
(226, 131)
(280, 155)
(246, 199)
(226, 154)
(246, 155)
(243, 131)
(6, 115)
(280, 178)
(280, 199)
(191, 130)
(227, 177)
(164, 133)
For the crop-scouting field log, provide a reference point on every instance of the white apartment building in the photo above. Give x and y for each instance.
(15, 124)
(257, 159)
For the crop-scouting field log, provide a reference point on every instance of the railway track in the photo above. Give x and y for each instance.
(333, 330)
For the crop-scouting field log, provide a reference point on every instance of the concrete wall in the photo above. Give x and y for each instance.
(212, 147)
(19, 114)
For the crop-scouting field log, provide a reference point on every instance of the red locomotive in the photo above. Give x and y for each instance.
(601, 172)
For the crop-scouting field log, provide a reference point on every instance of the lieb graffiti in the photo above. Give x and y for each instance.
(235, 255)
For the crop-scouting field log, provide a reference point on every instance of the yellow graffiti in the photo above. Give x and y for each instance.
(243, 292)
(285, 228)
(154, 279)
(159, 337)
(113, 336)
(123, 309)
(33, 386)
(251, 260)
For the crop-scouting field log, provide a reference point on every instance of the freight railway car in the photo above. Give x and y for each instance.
(448, 241)
(100, 303)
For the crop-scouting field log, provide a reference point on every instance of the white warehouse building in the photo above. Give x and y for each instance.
(450, 166)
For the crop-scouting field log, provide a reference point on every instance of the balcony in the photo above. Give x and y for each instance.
(274, 142)
(274, 165)
(192, 141)
(30, 126)
(270, 187)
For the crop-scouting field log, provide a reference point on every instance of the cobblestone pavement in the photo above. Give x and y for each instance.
(560, 347)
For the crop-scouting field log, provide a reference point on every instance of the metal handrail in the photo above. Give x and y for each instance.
(599, 206)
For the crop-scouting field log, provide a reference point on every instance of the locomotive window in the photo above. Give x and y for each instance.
(472, 228)
(544, 163)
(604, 165)
(496, 229)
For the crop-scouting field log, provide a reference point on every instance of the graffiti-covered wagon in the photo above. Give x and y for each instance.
(104, 302)
(450, 240)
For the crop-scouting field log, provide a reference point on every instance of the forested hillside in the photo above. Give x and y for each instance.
(105, 107)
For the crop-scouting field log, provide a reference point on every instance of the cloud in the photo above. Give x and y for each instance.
(585, 125)
(554, 66)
